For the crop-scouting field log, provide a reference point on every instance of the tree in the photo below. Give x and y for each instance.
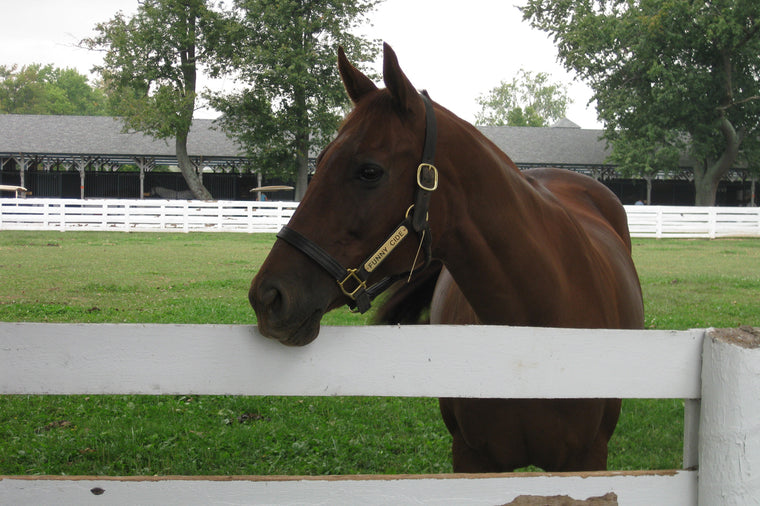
(285, 52)
(688, 68)
(646, 155)
(529, 100)
(150, 70)
(38, 89)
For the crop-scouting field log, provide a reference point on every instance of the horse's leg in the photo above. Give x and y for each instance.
(484, 438)
(596, 456)
(501, 435)
(465, 458)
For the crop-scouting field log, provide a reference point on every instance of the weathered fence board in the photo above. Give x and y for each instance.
(425, 361)
(406, 361)
(638, 488)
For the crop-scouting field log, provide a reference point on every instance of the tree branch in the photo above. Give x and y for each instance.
(739, 102)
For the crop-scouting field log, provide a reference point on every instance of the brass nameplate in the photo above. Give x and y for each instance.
(385, 250)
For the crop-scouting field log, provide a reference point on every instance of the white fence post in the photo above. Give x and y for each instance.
(186, 216)
(127, 216)
(729, 440)
(658, 226)
(712, 218)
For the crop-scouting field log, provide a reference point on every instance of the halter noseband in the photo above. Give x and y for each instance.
(353, 282)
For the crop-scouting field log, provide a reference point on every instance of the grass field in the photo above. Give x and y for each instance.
(203, 278)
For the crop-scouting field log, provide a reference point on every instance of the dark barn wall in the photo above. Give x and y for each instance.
(126, 185)
(234, 186)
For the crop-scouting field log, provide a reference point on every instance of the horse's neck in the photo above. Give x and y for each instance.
(500, 240)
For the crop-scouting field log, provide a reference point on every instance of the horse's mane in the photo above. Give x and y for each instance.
(471, 130)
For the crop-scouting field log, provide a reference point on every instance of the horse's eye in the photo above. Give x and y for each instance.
(370, 173)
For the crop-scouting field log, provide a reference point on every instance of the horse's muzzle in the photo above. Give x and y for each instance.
(283, 313)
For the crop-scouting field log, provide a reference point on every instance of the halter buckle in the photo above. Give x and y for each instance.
(361, 285)
(420, 176)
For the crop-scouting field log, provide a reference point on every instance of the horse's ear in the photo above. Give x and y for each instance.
(357, 84)
(402, 91)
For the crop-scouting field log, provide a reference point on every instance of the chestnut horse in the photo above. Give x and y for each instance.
(490, 244)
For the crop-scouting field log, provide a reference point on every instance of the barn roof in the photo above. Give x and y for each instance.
(555, 146)
(103, 136)
(66, 137)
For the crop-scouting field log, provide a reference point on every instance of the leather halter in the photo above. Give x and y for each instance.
(353, 282)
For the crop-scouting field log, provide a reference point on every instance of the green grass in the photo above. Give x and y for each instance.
(699, 283)
(204, 278)
(137, 278)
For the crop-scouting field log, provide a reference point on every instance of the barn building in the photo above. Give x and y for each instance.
(92, 157)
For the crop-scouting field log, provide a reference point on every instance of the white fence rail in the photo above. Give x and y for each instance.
(687, 222)
(244, 216)
(719, 371)
(144, 215)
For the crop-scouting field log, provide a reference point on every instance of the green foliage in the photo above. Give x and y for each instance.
(647, 154)
(681, 67)
(529, 100)
(150, 64)
(285, 53)
(119, 277)
(38, 89)
(150, 69)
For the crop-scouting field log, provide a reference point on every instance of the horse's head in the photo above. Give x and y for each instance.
(363, 218)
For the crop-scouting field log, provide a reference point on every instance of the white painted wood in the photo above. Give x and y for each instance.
(650, 489)
(256, 216)
(729, 439)
(144, 215)
(429, 361)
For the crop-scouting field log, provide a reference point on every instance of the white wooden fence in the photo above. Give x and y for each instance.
(718, 372)
(686, 222)
(245, 216)
(144, 215)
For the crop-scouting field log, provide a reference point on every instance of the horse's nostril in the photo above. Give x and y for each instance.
(271, 298)
(266, 298)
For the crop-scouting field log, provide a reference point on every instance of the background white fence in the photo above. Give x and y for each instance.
(717, 372)
(248, 216)
(144, 215)
(681, 221)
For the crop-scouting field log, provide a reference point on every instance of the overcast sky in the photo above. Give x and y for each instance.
(455, 49)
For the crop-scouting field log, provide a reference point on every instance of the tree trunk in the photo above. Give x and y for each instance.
(191, 175)
(189, 75)
(302, 143)
(706, 185)
(302, 166)
(707, 177)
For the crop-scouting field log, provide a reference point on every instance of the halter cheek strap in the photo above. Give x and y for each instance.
(353, 282)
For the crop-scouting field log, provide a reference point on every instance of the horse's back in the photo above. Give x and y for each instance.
(585, 198)
(603, 223)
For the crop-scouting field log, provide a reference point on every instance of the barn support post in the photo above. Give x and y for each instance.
(141, 166)
(81, 165)
(729, 442)
(145, 164)
(23, 166)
